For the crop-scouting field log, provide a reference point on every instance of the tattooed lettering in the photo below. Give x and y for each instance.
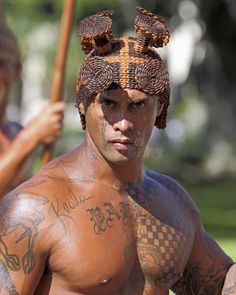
(62, 211)
(112, 213)
(125, 212)
(98, 219)
(103, 218)
(106, 216)
(55, 209)
(75, 201)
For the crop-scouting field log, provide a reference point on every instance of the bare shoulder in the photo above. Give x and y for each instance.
(28, 232)
(175, 190)
(34, 203)
(25, 210)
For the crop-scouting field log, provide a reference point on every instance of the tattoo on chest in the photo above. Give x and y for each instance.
(105, 217)
(163, 207)
(75, 201)
(161, 249)
(133, 276)
(64, 210)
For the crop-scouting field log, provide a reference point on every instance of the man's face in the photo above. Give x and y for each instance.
(9, 71)
(119, 123)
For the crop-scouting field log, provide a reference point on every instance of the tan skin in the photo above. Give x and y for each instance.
(17, 144)
(96, 222)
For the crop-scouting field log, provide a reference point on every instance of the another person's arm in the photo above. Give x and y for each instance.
(43, 129)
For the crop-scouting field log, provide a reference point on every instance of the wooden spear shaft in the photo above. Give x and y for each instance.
(59, 70)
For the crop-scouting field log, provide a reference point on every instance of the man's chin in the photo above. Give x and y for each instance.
(122, 158)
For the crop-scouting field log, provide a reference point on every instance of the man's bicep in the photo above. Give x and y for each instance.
(206, 269)
(17, 282)
(22, 257)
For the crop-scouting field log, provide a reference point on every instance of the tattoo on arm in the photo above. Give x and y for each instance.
(207, 274)
(6, 281)
(21, 224)
(196, 282)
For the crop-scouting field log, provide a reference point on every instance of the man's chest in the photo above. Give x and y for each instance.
(118, 242)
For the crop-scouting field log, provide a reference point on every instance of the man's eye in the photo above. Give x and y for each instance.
(108, 103)
(137, 105)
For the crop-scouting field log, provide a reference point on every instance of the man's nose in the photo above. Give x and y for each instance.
(123, 125)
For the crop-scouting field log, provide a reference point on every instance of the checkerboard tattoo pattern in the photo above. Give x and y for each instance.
(161, 249)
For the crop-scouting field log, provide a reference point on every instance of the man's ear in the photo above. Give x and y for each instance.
(160, 106)
(81, 108)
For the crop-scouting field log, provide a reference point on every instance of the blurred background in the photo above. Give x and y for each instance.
(198, 147)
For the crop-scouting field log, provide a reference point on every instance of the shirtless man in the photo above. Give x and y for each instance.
(95, 221)
(16, 144)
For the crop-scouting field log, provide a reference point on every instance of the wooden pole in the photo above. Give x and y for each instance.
(59, 70)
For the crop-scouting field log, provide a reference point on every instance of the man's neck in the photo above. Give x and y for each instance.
(115, 175)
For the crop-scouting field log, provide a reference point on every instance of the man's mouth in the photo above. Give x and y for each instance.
(122, 144)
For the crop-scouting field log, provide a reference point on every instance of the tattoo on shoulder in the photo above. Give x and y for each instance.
(19, 222)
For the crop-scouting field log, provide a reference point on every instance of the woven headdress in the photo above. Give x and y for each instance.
(124, 62)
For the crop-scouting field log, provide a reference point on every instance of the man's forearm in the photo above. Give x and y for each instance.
(230, 282)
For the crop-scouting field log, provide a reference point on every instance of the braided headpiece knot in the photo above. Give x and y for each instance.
(95, 31)
(151, 30)
(124, 62)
